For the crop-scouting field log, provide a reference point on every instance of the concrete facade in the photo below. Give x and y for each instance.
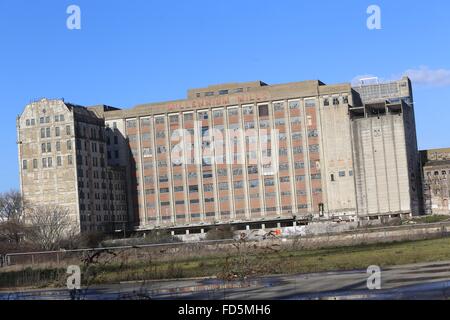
(387, 162)
(436, 181)
(62, 151)
(335, 158)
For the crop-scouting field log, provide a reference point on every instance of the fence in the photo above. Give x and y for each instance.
(172, 251)
(65, 256)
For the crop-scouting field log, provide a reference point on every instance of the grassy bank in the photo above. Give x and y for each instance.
(243, 262)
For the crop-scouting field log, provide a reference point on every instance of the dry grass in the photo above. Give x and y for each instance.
(243, 261)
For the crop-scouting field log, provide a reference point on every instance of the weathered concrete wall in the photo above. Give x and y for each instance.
(382, 179)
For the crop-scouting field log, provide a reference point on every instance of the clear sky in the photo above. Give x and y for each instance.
(138, 51)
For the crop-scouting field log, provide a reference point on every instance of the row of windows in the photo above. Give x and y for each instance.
(220, 92)
(437, 173)
(263, 111)
(44, 120)
(45, 162)
(47, 147)
(335, 101)
(46, 132)
(342, 174)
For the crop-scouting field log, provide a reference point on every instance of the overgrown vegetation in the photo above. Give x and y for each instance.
(245, 260)
(224, 232)
(431, 219)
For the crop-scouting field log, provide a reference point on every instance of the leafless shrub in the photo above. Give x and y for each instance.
(49, 226)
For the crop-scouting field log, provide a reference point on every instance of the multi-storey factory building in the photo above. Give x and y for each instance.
(241, 153)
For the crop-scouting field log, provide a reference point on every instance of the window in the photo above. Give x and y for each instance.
(69, 145)
(332, 178)
(58, 161)
(203, 115)
(296, 120)
(218, 113)
(178, 189)
(316, 176)
(35, 163)
(310, 103)
(283, 152)
(131, 123)
(222, 172)
(294, 105)
(313, 133)
(44, 162)
(264, 111)
(47, 132)
(27, 122)
(247, 110)
(222, 92)
(335, 101)
(326, 102)
(314, 148)
(68, 131)
(269, 182)
(69, 160)
(57, 132)
(160, 134)
(49, 147)
(252, 170)
(193, 189)
(233, 112)
(188, 116)
(279, 106)
(42, 133)
(24, 165)
(223, 186)
(341, 174)
(238, 184)
(284, 179)
(58, 146)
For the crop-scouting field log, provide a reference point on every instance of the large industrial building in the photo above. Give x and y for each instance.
(241, 153)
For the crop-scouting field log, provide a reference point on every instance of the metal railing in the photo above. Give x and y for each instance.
(32, 258)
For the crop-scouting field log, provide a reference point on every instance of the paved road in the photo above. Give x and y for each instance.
(418, 281)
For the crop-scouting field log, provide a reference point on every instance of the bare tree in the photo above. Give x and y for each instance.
(49, 226)
(12, 208)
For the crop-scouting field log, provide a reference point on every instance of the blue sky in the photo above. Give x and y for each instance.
(137, 51)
